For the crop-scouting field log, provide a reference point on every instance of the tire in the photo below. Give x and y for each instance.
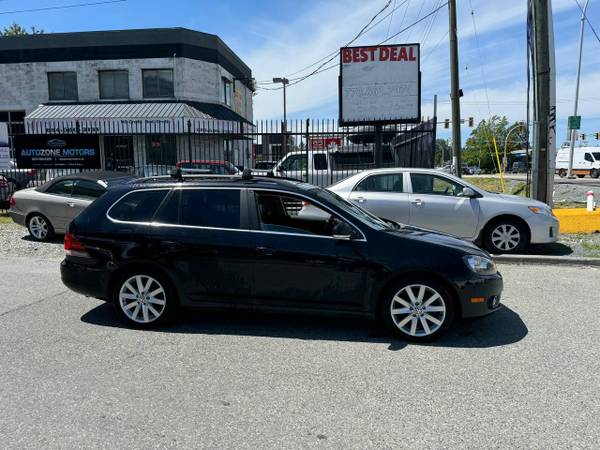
(594, 173)
(144, 298)
(562, 173)
(505, 236)
(580, 176)
(40, 228)
(420, 318)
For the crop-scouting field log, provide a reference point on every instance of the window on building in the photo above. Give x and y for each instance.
(114, 84)
(62, 85)
(158, 83)
(226, 91)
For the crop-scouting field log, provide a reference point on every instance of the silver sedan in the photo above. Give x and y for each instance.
(435, 200)
(47, 209)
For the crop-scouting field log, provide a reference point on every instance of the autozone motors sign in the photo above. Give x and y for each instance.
(380, 84)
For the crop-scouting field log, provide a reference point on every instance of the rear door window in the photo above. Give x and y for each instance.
(138, 206)
(214, 208)
(88, 190)
(64, 188)
(381, 183)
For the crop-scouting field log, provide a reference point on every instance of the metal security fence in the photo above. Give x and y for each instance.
(317, 151)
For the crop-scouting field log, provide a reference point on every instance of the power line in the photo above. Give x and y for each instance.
(481, 65)
(391, 18)
(414, 23)
(48, 8)
(587, 20)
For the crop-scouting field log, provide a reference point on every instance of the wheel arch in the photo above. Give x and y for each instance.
(37, 213)
(506, 216)
(396, 278)
(132, 266)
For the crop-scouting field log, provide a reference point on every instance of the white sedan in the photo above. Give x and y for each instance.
(438, 201)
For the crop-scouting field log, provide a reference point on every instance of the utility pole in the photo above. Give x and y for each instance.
(572, 137)
(544, 100)
(454, 89)
(284, 81)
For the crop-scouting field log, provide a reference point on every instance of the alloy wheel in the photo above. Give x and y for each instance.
(38, 227)
(142, 299)
(506, 237)
(418, 310)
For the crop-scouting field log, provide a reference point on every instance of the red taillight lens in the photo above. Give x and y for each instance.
(11, 201)
(305, 203)
(73, 246)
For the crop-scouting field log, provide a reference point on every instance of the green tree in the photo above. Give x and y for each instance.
(443, 152)
(480, 150)
(17, 30)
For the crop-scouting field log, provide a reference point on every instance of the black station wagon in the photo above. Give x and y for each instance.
(153, 245)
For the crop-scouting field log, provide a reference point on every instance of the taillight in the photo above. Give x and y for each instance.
(11, 201)
(74, 247)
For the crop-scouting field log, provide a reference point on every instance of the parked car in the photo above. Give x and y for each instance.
(6, 189)
(439, 201)
(46, 210)
(519, 167)
(229, 243)
(208, 167)
(18, 178)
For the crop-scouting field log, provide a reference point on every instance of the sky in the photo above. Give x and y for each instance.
(281, 37)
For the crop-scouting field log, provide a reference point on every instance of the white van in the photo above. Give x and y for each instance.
(586, 161)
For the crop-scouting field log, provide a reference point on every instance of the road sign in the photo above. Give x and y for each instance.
(574, 122)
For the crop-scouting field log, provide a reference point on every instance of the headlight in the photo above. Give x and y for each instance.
(480, 264)
(541, 210)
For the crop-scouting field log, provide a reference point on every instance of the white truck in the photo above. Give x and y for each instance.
(586, 161)
(326, 167)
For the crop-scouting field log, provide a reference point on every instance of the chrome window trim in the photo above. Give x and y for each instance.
(180, 187)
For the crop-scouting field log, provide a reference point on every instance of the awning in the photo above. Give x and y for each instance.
(134, 118)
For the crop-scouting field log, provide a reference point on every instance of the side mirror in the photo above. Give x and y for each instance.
(468, 192)
(343, 232)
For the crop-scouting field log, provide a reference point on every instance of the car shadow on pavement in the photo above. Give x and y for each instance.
(501, 328)
(54, 240)
(552, 249)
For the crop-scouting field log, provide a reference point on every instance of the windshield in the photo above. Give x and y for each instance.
(355, 210)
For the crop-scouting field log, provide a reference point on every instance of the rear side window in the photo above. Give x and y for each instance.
(139, 206)
(381, 183)
(87, 189)
(217, 208)
(64, 187)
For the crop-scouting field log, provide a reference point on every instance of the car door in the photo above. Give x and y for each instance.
(299, 262)
(54, 204)
(84, 193)
(201, 233)
(436, 203)
(383, 195)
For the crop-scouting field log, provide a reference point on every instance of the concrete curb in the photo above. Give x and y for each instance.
(549, 260)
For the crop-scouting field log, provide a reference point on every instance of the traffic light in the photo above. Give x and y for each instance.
(583, 136)
(447, 123)
(471, 122)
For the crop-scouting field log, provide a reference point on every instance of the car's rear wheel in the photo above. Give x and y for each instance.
(505, 236)
(417, 310)
(595, 173)
(40, 228)
(562, 173)
(144, 299)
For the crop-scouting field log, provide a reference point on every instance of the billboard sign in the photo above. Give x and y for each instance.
(324, 143)
(380, 84)
(59, 151)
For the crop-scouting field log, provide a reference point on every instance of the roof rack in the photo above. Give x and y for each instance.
(179, 176)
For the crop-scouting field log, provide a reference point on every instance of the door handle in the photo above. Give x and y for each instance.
(417, 202)
(264, 251)
(361, 199)
(71, 204)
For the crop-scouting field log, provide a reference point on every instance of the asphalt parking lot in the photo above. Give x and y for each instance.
(72, 377)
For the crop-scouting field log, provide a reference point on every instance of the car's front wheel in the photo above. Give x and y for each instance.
(40, 228)
(144, 299)
(505, 236)
(417, 310)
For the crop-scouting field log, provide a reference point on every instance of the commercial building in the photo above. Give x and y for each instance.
(152, 96)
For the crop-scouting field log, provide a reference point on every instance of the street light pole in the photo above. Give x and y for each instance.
(284, 81)
(454, 89)
(572, 147)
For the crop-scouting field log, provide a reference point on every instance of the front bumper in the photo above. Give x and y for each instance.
(85, 277)
(544, 228)
(480, 295)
